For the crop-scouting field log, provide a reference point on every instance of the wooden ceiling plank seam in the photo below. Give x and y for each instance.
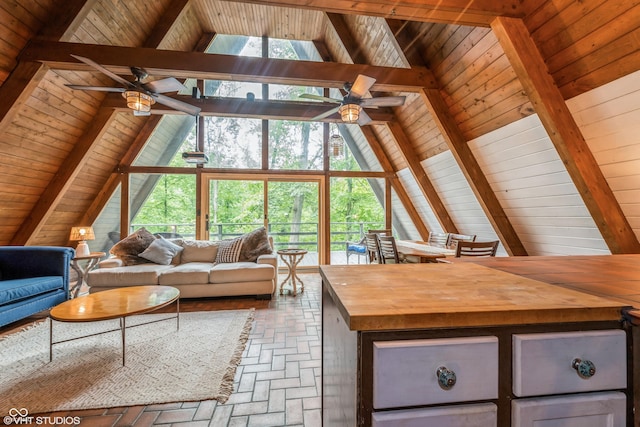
(470, 168)
(57, 186)
(17, 88)
(536, 16)
(566, 136)
(199, 65)
(479, 13)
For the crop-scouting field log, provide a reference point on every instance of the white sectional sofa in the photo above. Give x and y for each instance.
(196, 270)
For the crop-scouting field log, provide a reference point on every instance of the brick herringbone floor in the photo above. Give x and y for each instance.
(276, 384)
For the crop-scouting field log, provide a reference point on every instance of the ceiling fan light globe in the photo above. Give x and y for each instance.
(349, 112)
(138, 101)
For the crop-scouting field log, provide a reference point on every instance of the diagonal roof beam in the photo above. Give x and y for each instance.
(462, 12)
(83, 149)
(224, 67)
(27, 75)
(565, 134)
(461, 152)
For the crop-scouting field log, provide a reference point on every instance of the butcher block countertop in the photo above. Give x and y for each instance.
(376, 297)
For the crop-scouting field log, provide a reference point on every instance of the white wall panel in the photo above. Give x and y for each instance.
(458, 198)
(415, 194)
(535, 190)
(609, 118)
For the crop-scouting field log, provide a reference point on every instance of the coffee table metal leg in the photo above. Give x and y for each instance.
(178, 314)
(50, 340)
(123, 328)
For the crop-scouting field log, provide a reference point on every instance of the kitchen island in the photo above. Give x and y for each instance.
(466, 345)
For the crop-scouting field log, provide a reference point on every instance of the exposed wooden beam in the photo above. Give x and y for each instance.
(463, 12)
(167, 21)
(198, 65)
(402, 194)
(62, 180)
(258, 109)
(565, 134)
(462, 153)
(343, 33)
(472, 172)
(418, 172)
(27, 75)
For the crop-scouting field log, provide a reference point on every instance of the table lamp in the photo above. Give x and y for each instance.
(82, 234)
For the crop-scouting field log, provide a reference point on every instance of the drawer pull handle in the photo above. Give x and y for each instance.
(585, 368)
(446, 378)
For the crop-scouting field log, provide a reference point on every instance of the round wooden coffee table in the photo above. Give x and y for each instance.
(114, 304)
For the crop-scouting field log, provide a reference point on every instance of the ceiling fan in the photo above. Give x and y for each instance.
(139, 95)
(352, 104)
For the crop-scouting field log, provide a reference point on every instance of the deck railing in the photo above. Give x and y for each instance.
(302, 235)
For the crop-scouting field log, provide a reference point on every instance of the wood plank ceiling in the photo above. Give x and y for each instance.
(467, 68)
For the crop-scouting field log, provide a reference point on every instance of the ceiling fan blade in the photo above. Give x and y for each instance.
(363, 118)
(177, 105)
(320, 98)
(383, 101)
(103, 70)
(361, 86)
(326, 113)
(165, 85)
(100, 88)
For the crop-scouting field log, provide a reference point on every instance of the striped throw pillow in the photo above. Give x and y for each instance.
(229, 250)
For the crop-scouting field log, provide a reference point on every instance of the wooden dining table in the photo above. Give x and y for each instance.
(419, 252)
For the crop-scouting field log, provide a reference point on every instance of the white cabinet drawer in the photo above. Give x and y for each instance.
(543, 363)
(405, 372)
(606, 409)
(480, 415)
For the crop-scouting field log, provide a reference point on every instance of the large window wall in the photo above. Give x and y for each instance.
(279, 173)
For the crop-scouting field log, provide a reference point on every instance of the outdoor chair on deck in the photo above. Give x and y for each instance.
(476, 249)
(373, 249)
(357, 248)
(388, 250)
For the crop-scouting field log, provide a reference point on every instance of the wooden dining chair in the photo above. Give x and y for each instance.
(373, 250)
(477, 249)
(384, 232)
(438, 239)
(453, 238)
(388, 250)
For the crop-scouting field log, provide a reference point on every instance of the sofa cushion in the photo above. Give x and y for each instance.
(198, 251)
(128, 248)
(18, 289)
(142, 274)
(161, 251)
(254, 244)
(241, 272)
(229, 250)
(190, 273)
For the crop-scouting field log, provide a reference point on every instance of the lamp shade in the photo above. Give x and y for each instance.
(349, 112)
(82, 233)
(138, 101)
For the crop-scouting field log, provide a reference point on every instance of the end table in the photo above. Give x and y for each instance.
(93, 258)
(292, 257)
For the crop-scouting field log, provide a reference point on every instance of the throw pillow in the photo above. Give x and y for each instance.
(229, 250)
(161, 251)
(199, 251)
(128, 248)
(254, 244)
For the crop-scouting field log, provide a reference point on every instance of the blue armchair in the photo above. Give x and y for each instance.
(32, 279)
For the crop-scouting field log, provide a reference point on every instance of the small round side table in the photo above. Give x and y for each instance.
(93, 258)
(292, 257)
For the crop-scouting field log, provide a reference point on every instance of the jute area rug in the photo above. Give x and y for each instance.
(197, 362)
